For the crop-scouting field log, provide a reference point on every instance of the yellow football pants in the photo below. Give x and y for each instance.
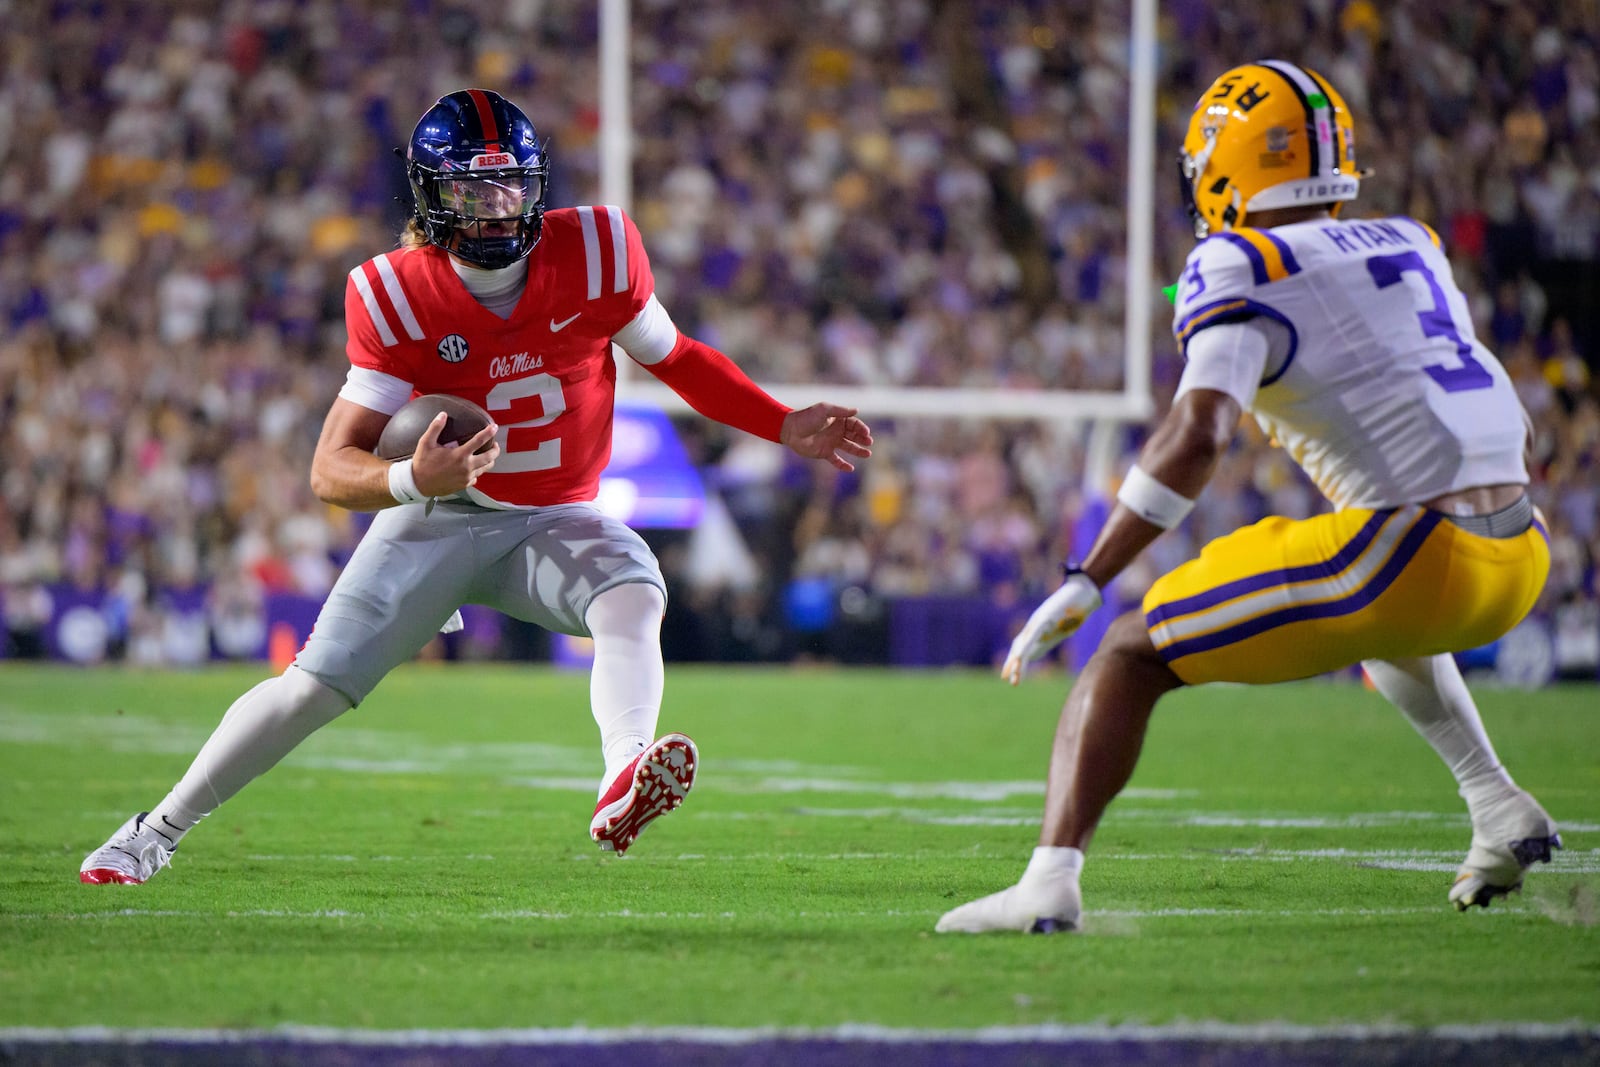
(1288, 598)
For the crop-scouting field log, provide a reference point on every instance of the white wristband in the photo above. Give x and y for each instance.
(403, 483)
(1155, 503)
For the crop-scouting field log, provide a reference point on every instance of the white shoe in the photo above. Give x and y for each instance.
(1508, 837)
(1021, 908)
(132, 856)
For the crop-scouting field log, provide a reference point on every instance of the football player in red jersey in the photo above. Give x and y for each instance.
(491, 298)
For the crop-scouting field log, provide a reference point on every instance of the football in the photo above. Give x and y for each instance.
(400, 436)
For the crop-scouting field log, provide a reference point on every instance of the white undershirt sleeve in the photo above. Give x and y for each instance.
(1233, 358)
(651, 336)
(376, 390)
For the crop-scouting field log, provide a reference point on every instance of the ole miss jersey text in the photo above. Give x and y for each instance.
(545, 374)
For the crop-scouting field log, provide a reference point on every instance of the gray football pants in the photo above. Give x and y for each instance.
(414, 567)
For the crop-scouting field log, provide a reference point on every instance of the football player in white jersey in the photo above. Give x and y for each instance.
(494, 299)
(1352, 346)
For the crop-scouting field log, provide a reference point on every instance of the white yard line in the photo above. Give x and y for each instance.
(775, 785)
(536, 915)
(1565, 862)
(1364, 820)
(352, 749)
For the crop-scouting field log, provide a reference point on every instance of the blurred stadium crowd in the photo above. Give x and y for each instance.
(876, 192)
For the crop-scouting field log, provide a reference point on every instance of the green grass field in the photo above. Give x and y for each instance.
(1283, 854)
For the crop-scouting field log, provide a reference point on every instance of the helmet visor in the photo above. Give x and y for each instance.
(506, 195)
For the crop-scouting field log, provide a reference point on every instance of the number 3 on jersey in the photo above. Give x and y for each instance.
(547, 456)
(1436, 322)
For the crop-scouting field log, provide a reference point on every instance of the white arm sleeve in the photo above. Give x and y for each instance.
(651, 336)
(1233, 358)
(376, 390)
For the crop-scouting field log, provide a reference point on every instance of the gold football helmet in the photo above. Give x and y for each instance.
(1267, 135)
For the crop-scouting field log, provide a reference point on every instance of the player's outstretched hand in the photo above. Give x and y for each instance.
(823, 431)
(442, 469)
(1052, 622)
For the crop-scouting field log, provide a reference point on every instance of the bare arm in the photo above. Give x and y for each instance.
(1182, 454)
(346, 473)
(1176, 462)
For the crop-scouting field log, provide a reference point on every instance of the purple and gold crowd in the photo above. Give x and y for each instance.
(860, 192)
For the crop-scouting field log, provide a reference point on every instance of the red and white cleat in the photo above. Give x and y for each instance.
(653, 784)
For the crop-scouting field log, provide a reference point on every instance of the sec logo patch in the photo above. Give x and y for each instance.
(453, 349)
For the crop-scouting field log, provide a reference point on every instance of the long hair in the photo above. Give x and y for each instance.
(412, 235)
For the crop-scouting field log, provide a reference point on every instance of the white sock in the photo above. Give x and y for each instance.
(172, 819)
(1050, 884)
(628, 678)
(261, 727)
(619, 752)
(1433, 697)
(1052, 866)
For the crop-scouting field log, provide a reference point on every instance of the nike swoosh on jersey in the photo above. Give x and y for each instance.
(557, 327)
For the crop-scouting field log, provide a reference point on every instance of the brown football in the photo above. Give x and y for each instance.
(400, 436)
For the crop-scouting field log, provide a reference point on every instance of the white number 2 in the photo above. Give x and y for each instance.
(548, 455)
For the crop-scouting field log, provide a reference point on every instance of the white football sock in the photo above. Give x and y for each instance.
(171, 819)
(1432, 695)
(1051, 880)
(1051, 864)
(261, 727)
(628, 678)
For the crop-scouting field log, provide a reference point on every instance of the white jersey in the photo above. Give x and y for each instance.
(1377, 386)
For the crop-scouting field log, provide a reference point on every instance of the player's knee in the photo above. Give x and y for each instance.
(304, 695)
(631, 606)
(1128, 641)
(1127, 636)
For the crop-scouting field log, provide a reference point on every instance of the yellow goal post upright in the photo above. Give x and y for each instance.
(1100, 414)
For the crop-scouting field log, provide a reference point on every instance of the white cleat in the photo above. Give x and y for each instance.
(1019, 909)
(132, 856)
(1512, 834)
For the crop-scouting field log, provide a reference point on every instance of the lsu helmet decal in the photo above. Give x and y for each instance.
(1266, 135)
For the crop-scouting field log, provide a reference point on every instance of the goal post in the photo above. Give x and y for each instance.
(1133, 403)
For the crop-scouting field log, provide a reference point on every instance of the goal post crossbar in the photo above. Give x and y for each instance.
(891, 401)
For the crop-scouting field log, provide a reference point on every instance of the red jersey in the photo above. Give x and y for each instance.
(546, 374)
